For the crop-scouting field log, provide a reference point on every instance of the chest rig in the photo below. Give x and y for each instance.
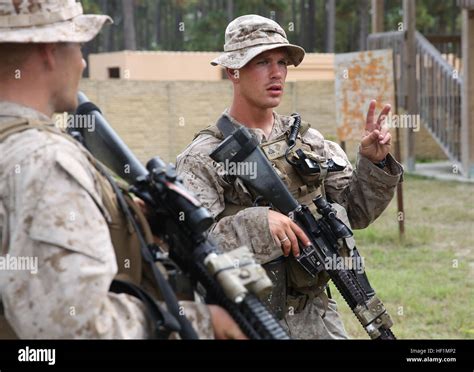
(303, 187)
(133, 275)
(293, 287)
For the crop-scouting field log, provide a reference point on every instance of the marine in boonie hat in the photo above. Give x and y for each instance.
(47, 21)
(248, 36)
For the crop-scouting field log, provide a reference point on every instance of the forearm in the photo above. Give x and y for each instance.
(248, 227)
(200, 317)
(369, 191)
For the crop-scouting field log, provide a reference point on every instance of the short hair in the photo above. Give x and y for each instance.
(13, 56)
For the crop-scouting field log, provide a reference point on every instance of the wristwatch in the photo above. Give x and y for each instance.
(382, 164)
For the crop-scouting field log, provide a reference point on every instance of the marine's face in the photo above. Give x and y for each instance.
(261, 81)
(70, 66)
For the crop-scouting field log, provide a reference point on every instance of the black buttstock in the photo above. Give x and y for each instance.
(106, 144)
(265, 183)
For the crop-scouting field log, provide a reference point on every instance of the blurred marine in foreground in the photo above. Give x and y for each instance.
(62, 234)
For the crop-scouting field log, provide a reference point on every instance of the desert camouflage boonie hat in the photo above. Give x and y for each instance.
(248, 36)
(47, 21)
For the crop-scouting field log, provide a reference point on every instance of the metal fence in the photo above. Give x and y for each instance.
(438, 86)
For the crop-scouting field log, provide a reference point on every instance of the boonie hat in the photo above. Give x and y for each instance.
(47, 21)
(248, 36)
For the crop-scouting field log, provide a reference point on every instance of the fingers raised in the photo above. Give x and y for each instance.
(369, 122)
(386, 109)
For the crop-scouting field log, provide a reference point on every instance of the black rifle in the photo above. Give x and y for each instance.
(181, 221)
(324, 233)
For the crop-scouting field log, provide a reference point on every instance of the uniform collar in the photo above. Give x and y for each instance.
(280, 126)
(9, 110)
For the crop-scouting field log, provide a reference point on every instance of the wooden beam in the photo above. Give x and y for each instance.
(467, 93)
(330, 26)
(377, 16)
(469, 4)
(409, 68)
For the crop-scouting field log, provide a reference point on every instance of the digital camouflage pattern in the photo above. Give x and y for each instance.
(248, 36)
(47, 21)
(363, 193)
(51, 208)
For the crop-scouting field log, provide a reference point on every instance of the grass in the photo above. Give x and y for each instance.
(426, 282)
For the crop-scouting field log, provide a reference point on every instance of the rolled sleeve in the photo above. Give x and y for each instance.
(364, 192)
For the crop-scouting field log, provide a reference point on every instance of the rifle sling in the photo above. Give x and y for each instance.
(170, 319)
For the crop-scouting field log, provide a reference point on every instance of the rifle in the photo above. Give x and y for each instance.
(324, 233)
(230, 280)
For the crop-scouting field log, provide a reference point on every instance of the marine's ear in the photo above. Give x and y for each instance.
(232, 74)
(48, 54)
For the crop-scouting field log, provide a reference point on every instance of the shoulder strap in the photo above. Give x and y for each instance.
(212, 130)
(224, 125)
(304, 127)
(13, 127)
(22, 124)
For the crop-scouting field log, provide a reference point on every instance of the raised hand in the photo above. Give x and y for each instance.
(375, 144)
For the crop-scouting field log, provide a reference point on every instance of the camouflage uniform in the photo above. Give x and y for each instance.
(51, 208)
(360, 195)
(53, 211)
(364, 193)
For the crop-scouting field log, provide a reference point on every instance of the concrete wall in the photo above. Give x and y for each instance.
(162, 66)
(161, 118)
(186, 66)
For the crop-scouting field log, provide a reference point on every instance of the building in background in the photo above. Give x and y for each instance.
(185, 66)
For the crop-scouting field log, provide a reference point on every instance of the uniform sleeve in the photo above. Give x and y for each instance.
(58, 225)
(365, 191)
(248, 227)
(200, 318)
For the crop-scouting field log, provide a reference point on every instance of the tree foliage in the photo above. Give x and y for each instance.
(198, 25)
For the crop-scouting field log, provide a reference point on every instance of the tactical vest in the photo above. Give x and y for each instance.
(289, 279)
(131, 267)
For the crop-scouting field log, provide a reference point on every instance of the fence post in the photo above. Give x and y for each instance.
(409, 26)
(377, 16)
(467, 94)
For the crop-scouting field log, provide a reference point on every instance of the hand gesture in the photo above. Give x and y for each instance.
(375, 145)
